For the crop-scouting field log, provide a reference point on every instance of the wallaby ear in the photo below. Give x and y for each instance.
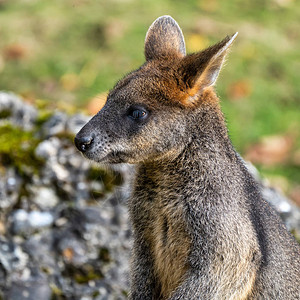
(164, 39)
(201, 70)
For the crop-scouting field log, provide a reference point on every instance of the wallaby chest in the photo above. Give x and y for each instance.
(160, 219)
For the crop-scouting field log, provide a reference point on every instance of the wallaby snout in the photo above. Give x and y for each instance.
(84, 143)
(94, 140)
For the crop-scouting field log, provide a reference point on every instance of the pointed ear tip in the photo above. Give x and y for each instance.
(235, 35)
(231, 39)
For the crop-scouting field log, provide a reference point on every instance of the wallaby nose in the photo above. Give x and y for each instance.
(84, 143)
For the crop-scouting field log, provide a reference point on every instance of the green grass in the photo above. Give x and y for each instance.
(71, 50)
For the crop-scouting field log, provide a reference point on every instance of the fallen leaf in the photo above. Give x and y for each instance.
(271, 150)
(68, 254)
(15, 52)
(96, 103)
(296, 158)
(28, 96)
(2, 228)
(239, 89)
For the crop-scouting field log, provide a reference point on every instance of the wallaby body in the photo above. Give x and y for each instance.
(201, 228)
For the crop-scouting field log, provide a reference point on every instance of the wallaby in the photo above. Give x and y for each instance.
(201, 228)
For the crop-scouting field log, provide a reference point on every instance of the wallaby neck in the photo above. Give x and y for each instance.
(207, 154)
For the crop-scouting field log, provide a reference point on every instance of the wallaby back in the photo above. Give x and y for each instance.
(200, 225)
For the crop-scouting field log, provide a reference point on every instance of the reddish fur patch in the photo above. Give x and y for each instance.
(195, 97)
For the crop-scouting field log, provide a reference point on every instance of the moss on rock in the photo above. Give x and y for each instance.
(17, 148)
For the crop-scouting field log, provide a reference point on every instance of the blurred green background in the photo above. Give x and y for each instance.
(69, 52)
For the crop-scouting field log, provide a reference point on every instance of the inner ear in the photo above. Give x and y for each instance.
(200, 70)
(164, 39)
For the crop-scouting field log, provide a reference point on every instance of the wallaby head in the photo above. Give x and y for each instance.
(148, 113)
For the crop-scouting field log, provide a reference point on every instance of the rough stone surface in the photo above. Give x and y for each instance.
(64, 230)
(17, 112)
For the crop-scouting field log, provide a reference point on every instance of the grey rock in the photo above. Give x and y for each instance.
(12, 256)
(24, 222)
(39, 219)
(287, 210)
(18, 112)
(55, 125)
(10, 184)
(20, 222)
(76, 122)
(60, 171)
(44, 196)
(40, 249)
(93, 215)
(34, 288)
(48, 149)
(77, 249)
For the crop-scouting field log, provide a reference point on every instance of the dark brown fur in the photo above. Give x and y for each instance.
(200, 225)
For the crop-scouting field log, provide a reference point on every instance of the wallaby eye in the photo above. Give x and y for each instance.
(137, 114)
